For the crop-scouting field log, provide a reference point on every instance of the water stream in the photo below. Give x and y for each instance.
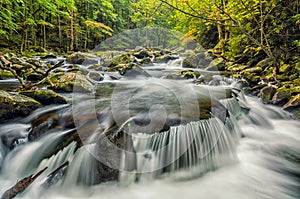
(158, 138)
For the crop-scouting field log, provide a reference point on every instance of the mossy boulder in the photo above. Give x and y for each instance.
(45, 97)
(96, 76)
(280, 97)
(188, 74)
(82, 58)
(96, 67)
(31, 75)
(5, 74)
(264, 63)
(236, 67)
(266, 94)
(216, 65)
(251, 78)
(253, 70)
(142, 54)
(186, 63)
(293, 103)
(165, 58)
(13, 106)
(145, 60)
(70, 82)
(122, 59)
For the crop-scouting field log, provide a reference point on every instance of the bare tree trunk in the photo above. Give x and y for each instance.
(59, 31)
(72, 31)
(44, 36)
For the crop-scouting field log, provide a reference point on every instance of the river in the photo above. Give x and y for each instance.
(251, 152)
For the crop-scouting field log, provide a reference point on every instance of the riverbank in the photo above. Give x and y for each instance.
(44, 75)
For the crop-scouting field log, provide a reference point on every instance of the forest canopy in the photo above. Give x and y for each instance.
(269, 27)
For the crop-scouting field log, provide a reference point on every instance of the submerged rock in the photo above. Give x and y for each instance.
(13, 106)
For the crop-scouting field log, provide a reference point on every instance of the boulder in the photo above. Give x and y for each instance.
(188, 74)
(267, 93)
(280, 97)
(96, 76)
(293, 103)
(96, 67)
(165, 58)
(82, 58)
(236, 67)
(45, 97)
(264, 63)
(70, 82)
(13, 106)
(186, 63)
(216, 65)
(145, 60)
(5, 75)
(142, 54)
(122, 59)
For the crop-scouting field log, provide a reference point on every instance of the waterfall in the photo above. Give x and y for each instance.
(25, 160)
(197, 147)
(232, 106)
(64, 155)
(82, 170)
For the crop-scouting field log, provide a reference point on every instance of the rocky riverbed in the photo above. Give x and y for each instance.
(43, 79)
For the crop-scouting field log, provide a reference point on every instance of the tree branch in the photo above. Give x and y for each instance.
(199, 16)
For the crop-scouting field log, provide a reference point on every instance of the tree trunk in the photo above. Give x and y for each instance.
(44, 37)
(59, 32)
(72, 31)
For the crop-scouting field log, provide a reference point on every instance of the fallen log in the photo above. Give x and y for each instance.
(21, 185)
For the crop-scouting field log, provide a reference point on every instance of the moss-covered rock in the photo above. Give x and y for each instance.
(267, 93)
(142, 54)
(264, 63)
(96, 67)
(31, 75)
(186, 63)
(96, 76)
(82, 58)
(251, 78)
(253, 70)
(216, 65)
(293, 103)
(188, 74)
(5, 74)
(236, 67)
(165, 58)
(280, 97)
(13, 106)
(145, 60)
(45, 97)
(70, 82)
(122, 59)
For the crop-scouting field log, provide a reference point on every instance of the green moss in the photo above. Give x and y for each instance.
(46, 97)
(6, 75)
(70, 82)
(255, 70)
(284, 67)
(267, 93)
(236, 67)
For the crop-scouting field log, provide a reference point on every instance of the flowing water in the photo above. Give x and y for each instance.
(152, 137)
